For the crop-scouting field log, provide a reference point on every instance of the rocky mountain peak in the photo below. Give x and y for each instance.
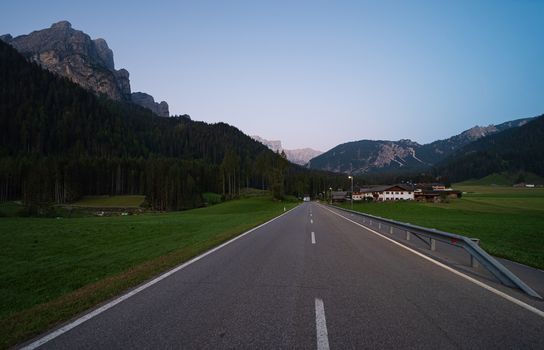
(147, 101)
(479, 131)
(71, 53)
(7, 38)
(62, 25)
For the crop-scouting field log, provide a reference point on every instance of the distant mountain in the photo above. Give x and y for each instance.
(147, 101)
(438, 150)
(512, 150)
(299, 156)
(89, 63)
(273, 145)
(368, 156)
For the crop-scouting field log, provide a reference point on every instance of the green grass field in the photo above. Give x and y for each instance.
(504, 179)
(53, 269)
(508, 221)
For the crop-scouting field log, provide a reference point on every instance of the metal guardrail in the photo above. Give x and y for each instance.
(470, 245)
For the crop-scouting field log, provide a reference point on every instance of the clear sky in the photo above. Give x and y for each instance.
(319, 73)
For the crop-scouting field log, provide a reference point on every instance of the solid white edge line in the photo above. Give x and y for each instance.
(473, 280)
(313, 237)
(321, 325)
(50, 336)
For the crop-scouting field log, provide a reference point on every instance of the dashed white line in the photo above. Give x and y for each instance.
(313, 238)
(311, 221)
(321, 325)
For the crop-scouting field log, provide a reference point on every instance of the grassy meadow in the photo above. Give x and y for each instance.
(54, 268)
(509, 221)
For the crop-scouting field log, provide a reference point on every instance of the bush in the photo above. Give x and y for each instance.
(211, 198)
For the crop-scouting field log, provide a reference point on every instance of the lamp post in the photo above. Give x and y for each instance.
(330, 189)
(351, 178)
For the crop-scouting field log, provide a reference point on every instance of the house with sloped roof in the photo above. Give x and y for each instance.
(388, 193)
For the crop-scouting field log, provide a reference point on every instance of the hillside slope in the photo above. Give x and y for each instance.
(512, 150)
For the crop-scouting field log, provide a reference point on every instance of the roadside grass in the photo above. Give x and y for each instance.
(54, 269)
(509, 222)
(133, 201)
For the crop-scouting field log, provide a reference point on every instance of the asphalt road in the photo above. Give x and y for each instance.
(310, 280)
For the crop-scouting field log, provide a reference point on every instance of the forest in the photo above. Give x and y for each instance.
(513, 150)
(59, 142)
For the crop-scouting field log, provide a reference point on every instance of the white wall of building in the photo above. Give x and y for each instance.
(397, 195)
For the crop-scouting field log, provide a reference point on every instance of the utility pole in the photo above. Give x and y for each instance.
(351, 178)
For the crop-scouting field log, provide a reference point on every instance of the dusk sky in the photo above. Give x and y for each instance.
(319, 73)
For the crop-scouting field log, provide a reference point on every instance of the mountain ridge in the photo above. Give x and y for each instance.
(511, 150)
(383, 156)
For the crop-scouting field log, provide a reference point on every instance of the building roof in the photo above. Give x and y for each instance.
(397, 187)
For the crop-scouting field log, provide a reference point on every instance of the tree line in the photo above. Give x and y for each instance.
(60, 142)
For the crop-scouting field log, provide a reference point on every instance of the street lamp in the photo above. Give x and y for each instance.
(351, 178)
(330, 189)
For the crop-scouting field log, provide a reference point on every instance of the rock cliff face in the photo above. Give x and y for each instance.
(73, 54)
(147, 101)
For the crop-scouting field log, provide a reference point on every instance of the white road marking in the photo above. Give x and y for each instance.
(313, 238)
(50, 336)
(473, 280)
(321, 325)
(310, 214)
(311, 221)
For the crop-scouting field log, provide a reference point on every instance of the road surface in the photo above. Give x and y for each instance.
(310, 279)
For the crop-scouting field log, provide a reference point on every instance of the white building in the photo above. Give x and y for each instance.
(358, 196)
(388, 193)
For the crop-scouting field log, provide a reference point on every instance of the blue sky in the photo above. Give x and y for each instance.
(319, 73)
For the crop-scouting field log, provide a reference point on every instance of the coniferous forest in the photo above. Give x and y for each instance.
(59, 142)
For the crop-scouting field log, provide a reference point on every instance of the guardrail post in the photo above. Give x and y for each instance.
(473, 262)
(408, 235)
(433, 244)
